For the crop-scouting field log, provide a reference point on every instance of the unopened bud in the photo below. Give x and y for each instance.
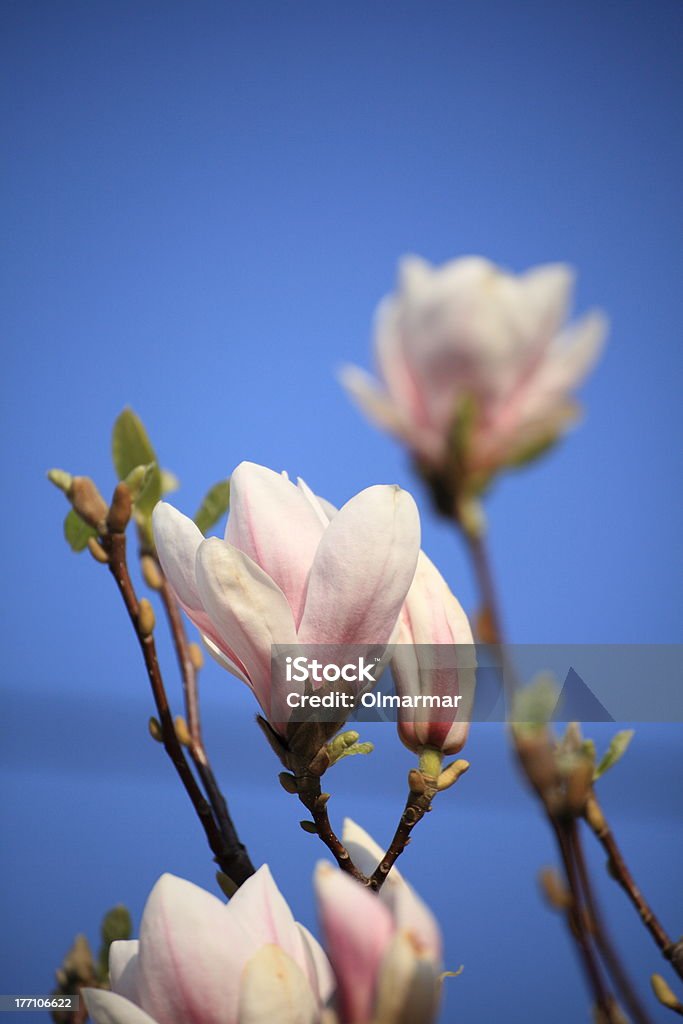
(88, 502)
(594, 815)
(310, 827)
(97, 551)
(538, 760)
(450, 775)
(61, 479)
(664, 993)
(121, 509)
(196, 656)
(579, 782)
(288, 782)
(151, 573)
(146, 619)
(182, 731)
(155, 732)
(554, 889)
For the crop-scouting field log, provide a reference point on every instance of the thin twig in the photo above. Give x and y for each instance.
(577, 922)
(417, 805)
(601, 936)
(115, 546)
(672, 951)
(242, 866)
(314, 800)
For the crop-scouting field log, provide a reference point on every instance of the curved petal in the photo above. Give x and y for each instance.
(191, 955)
(409, 986)
(273, 523)
(362, 570)
(109, 1008)
(324, 510)
(123, 968)
(274, 989)
(264, 915)
(248, 610)
(223, 660)
(319, 970)
(177, 539)
(357, 929)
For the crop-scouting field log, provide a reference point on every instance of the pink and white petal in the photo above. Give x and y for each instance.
(324, 510)
(546, 292)
(223, 660)
(363, 568)
(177, 539)
(109, 1008)
(412, 916)
(191, 956)
(273, 523)
(247, 608)
(123, 968)
(365, 852)
(409, 986)
(263, 914)
(275, 989)
(318, 969)
(578, 348)
(357, 929)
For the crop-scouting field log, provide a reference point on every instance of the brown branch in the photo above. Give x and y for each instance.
(314, 800)
(417, 805)
(114, 544)
(576, 921)
(672, 951)
(242, 867)
(597, 928)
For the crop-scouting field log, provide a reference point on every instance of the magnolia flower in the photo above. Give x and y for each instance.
(471, 342)
(385, 949)
(201, 961)
(291, 569)
(434, 657)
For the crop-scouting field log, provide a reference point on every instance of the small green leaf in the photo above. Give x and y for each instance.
(116, 925)
(534, 705)
(138, 480)
(530, 452)
(614, 752)
(131, 447)
(215, 504)
(61, 479)
(77, 532)
(169, 481)
(356, 748)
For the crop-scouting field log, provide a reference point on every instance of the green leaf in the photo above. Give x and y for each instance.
(215, 504)
(131, 447)
(169, 481)
(138, 480)
(614, 752)
(77, 532)
(534, 705)
(356, 748)
(116, 925)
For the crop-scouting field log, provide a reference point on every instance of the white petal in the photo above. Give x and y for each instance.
(409, 986)
(273, 523)
(264, 915)
(109, 1008)
(275, 991)
(191, 955)
(319, 970)
(177, 539)
(323, 509)
(363, 568)
(248, 610)
(123, 968)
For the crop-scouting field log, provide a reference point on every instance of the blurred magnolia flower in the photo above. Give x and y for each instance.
(473, 356)
(201, 961)
(434, 657)
(291, 570)
(385, 949)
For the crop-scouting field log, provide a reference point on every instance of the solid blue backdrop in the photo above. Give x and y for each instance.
(203, 204)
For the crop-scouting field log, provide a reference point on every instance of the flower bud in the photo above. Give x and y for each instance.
(121, 509)
(88, 502)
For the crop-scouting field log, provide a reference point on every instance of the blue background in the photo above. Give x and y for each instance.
(203, 204)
